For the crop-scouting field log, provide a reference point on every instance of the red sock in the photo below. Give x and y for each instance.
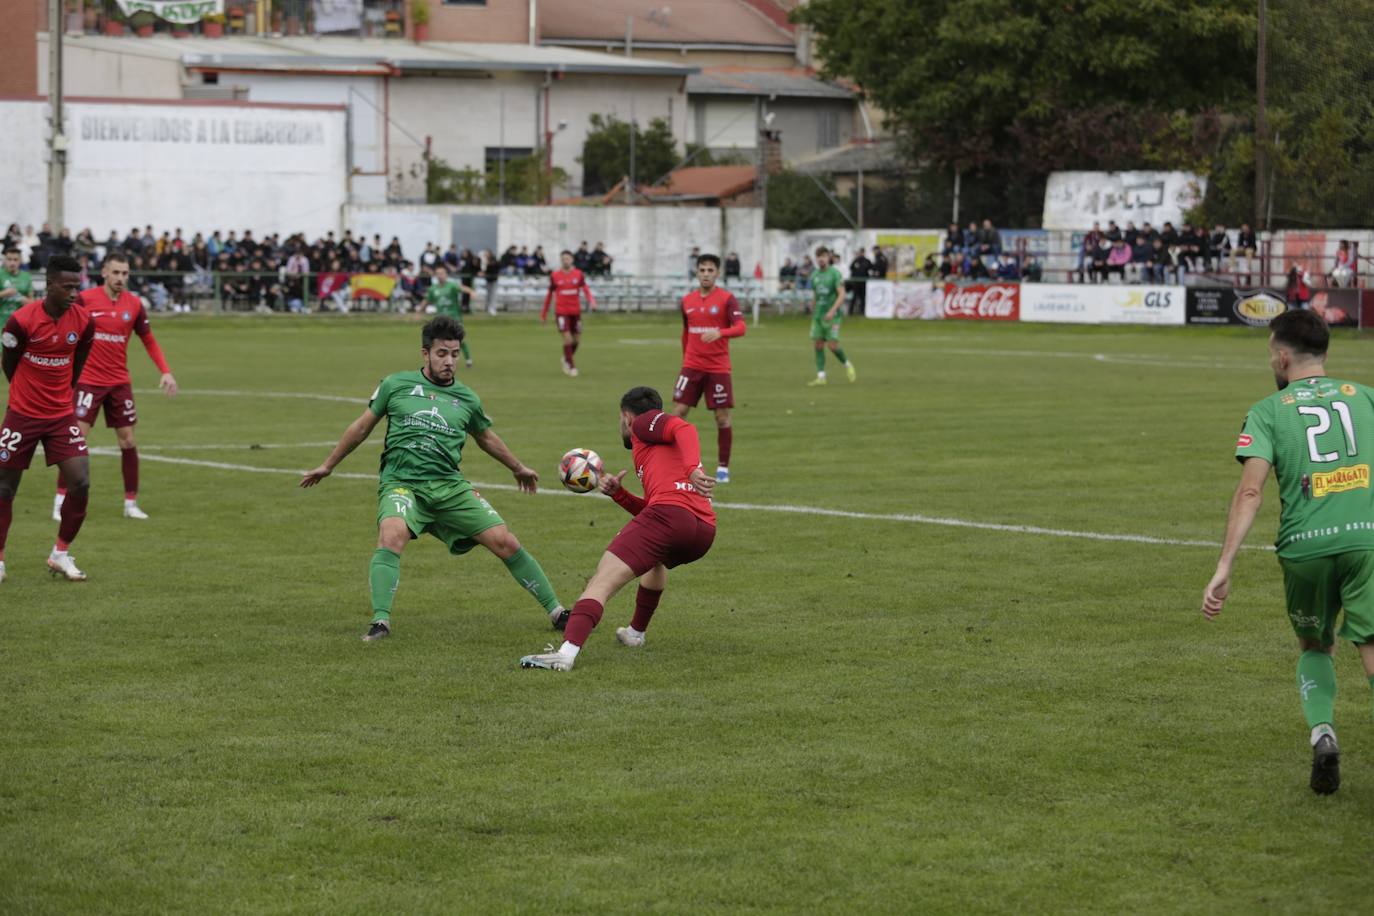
(567, 353)
(6, 516)
(725, 437)
(73, 514)
(574, 345)
(646, 602)
(586, 614)
(128, 463)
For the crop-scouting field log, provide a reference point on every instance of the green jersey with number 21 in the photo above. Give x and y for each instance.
(1318, 433)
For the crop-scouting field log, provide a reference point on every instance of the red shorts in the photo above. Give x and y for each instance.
(670, 535)
(20, 435)
(571, 324)
(692, 383)
(118, 402)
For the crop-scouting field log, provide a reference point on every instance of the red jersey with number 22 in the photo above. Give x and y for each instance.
(115, 322)
(42, 385)
(666, 450)
(715, 311)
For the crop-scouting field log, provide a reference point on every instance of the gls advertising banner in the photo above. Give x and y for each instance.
(1080, 303)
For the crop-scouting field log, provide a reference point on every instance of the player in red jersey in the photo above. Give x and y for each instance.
(45, 344)
(710, 317)
(673, 524)
(105, 380)
(566, 286)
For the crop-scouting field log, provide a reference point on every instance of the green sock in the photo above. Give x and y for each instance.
(527, 571)
(467, 354)
(1317, 686)
(383, 575)
(820, 360)
(839, 354)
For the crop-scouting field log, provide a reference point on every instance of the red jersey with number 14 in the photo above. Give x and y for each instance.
(42, 385)
(666, 450)
(715, 311)
(115, 322)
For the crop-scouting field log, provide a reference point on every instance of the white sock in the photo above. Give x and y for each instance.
(820, 374)
(130, 503)
(634, 631)
(59, 499)
(1320, 731)
(568, 650)
(58, 554)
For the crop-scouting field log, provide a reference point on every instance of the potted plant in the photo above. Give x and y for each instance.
(143, 23)
(212, 26)
(419, 19)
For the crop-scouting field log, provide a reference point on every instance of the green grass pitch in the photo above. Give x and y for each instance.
(834, 713)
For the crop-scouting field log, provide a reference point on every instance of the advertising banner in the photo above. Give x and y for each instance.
(1254, 308)
(1075, 200)
(887, 299)
(1340, 307)
(906, 251)
(182, 12)
(982, 301)
(1079, 303)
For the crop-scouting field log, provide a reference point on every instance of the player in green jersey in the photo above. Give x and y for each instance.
(16, 285)
(447, 296)
(1317, 433)
(430, 416)
(827, 288)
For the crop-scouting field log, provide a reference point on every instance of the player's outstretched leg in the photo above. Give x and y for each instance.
(612, 573)
(849, 370)
(525, 570)
(651, 587)
(383, 576)
(76, 471)
(1317, 688)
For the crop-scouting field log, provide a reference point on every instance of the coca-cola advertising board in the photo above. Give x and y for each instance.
(982, 301)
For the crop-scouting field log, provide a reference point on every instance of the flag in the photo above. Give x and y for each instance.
(372, 286)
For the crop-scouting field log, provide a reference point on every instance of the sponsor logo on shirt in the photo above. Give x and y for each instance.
(1243, 441)
(111, 338)
(1347, 389)
(1288, 399)
(9, 340)
(48, 360)
(1340, 480)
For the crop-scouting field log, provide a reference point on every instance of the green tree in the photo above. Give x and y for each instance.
(797, 201)
(605, 155)
(526, 182)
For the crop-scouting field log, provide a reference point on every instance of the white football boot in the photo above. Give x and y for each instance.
(65, 567)
(551, 659)
(131, 510)
(629, 637)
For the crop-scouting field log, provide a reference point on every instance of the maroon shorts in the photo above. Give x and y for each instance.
(20, 435)
(118, 402)
(670, 535)
(692, 383)
(571, 324)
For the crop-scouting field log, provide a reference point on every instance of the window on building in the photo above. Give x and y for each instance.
(827, 129)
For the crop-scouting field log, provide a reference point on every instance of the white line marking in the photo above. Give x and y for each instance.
(227, 393)
(248, 447)
(910, 518)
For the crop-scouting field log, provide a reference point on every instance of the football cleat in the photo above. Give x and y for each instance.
(629, 637)
(1326, 765)
(131, 510)
(567, 366)
(65, 567)
(722, 475)
(559, 617)
(2, 570)
(816, 382)
(378, 630)
(57, 507)
(850, 371)
(573, 372)
(550, 659)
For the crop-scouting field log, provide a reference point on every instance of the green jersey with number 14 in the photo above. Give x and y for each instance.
(1318, 433)
(426, 427)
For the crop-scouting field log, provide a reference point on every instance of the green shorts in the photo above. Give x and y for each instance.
(825, 330)
(452, 511)
(1318, 588)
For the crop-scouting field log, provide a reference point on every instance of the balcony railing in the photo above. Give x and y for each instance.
(280, 18)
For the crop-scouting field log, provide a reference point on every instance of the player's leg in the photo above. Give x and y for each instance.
(82, 397)
(1313, 594)
(1357, 600)
(9, 485)
(818, 342)
(834, 344)
(384, 573)
(565, 334)
(687, 390)
(651, 586)
(76, 471)
(574, 339)
(128, 467)
(524, 569)
(725, 440)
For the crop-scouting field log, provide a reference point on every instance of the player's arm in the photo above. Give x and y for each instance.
(840, 294)
(14, 340)
(489, 442)
(354, 436)
(613, 487)
(591, 300)
(1245, 506)
(83, 351)
(734, 327)
(664, 429)
(144, 330)
(548, 297)
(682, 307)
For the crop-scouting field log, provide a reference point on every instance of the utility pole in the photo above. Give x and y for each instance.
(57, 141)
(1261, 122)
(630, 184)
(501, 159)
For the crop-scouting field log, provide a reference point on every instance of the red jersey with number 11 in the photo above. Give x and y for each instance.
(714, 311)
(42, 385)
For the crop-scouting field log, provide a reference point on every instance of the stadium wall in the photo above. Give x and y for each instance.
(645, 241)
(198, 165)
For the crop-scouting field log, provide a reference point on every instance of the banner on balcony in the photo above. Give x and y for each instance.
(338, 15)
(182, 12)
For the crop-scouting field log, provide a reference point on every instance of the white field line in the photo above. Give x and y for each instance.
(908, 518)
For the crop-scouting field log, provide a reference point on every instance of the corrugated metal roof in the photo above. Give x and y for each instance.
(742, 81)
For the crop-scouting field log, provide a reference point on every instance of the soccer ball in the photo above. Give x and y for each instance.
(580, 470)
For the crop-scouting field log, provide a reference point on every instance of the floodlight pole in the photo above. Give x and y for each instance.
(57, 141)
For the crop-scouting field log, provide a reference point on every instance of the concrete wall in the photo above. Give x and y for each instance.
(197, 166)
(493, 20)
(645, 241)
(88, 71)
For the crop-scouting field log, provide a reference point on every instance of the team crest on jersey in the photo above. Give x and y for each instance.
(4, 454)
(71, 337)
(125, 316)
(715, 309)
(80, 411)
